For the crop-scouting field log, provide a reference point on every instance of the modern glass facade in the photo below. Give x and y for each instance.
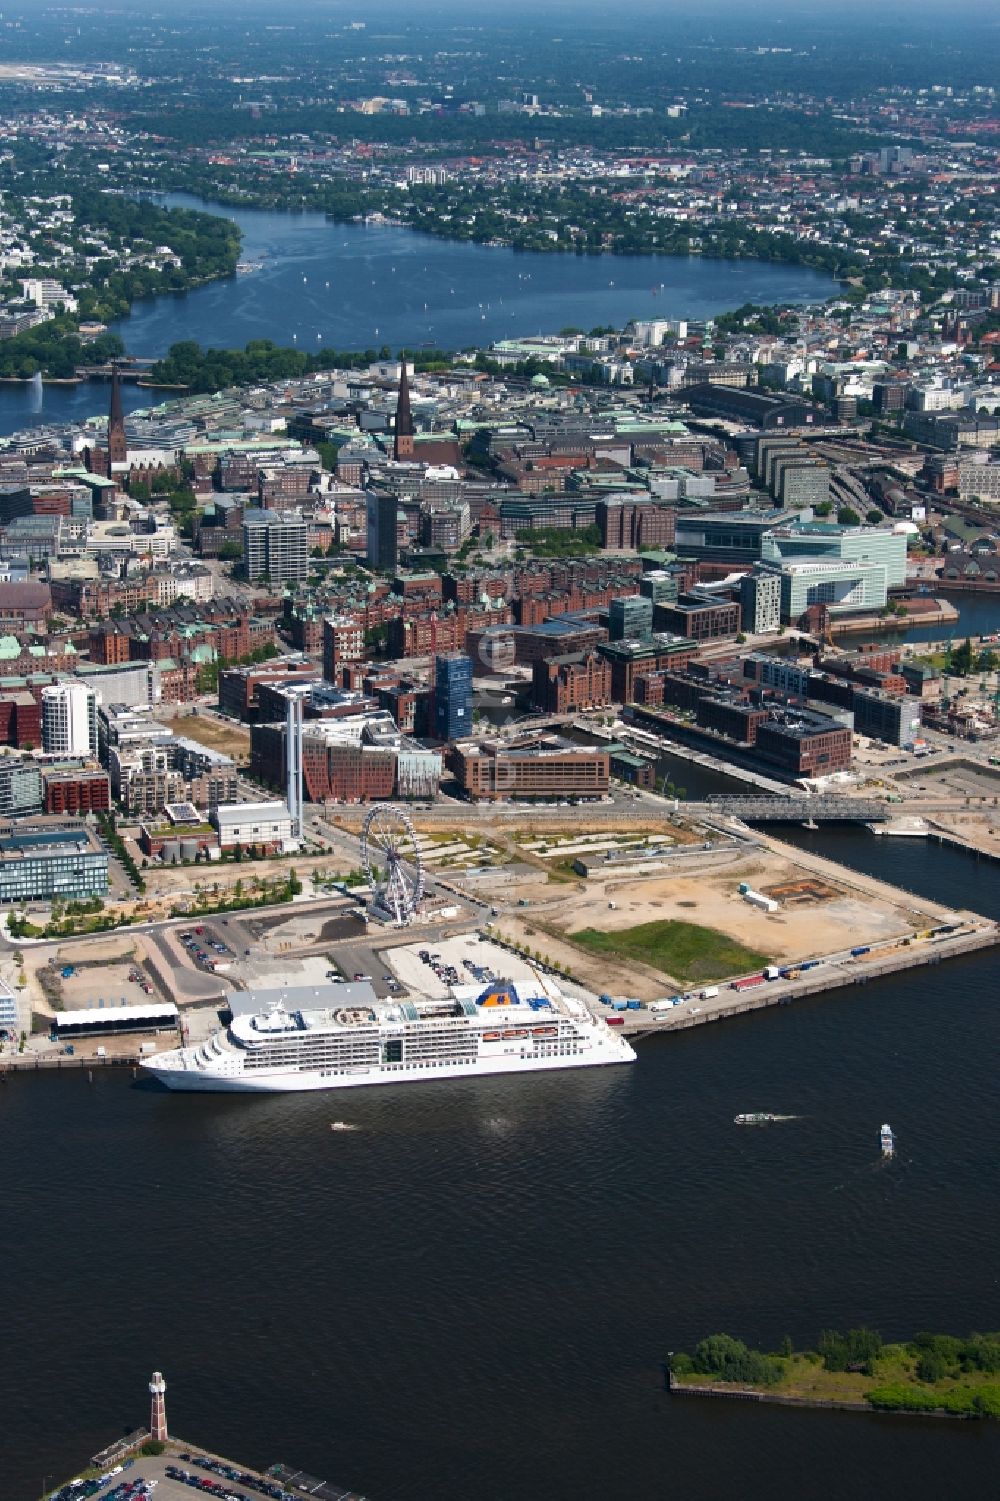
(39, 864)
(847, 544)
(838, 586)
(452, 696)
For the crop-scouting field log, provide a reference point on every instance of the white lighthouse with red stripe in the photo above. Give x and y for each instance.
(158, 1407)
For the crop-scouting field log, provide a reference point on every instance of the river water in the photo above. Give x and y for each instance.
(472, 1295)
(352, 286)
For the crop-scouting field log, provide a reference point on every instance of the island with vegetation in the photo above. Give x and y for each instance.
(938, 1374)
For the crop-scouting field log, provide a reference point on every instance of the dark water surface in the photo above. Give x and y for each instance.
(471, 1296)
(355, 286)
(352, 286)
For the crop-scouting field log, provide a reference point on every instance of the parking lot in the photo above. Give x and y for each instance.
(207, 947)
(116, 984)
(147, 1479)
(454, 957)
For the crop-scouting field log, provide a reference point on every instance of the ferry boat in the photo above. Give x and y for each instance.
(315, 1038)
(888, 1141)
(760, 1118)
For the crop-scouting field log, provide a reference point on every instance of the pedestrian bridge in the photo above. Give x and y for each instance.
(799, 808)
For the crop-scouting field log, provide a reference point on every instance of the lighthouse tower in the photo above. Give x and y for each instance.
(158, 1407)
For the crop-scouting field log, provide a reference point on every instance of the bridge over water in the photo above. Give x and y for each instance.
(798, 808)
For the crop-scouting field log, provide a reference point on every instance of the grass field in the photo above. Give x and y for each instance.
(691, 954)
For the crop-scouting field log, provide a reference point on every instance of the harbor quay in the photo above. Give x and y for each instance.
(151, 1461)
(834, 972)
(158, 1471)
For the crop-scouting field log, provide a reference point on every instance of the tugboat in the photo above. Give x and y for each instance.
(888, 1141)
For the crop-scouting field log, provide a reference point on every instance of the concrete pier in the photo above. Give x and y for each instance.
(241, 1481)
(834, 972)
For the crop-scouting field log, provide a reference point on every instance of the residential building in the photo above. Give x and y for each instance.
(275, 546)
(80, 789)
(630, 658)
(343, 641)
(760, 603)
(21, 792)
(700, 619)
(69, 719)
(803, 744)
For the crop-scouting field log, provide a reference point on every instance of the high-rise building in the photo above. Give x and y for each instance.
(69, 719)
(760, 603)
(381, 547)
(293, 758)
(452, 696)
(630, 618)
(275, 545)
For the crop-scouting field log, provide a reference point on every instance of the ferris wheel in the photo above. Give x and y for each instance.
(391, 859)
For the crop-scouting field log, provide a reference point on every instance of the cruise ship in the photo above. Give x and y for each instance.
(322, 1038)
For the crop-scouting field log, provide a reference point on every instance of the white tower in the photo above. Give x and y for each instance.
(158, 1407)
(293, 760)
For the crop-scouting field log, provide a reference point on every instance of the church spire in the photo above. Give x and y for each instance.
(402, 447)
(117, 447)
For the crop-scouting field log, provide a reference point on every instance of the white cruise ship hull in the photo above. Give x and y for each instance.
(291, 1080)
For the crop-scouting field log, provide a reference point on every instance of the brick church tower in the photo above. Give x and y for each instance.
(117, 447)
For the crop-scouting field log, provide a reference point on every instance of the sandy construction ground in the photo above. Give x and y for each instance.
(859, 911)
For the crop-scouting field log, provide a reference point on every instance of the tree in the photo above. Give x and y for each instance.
(874, 516)
(848, 516)
(231, 550)
(823, 508)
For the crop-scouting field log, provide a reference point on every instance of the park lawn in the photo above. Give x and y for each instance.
(692, 954)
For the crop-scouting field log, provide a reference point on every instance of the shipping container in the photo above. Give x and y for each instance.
(862, 949)
(748, 982)
(615, 1021)
(709, 992)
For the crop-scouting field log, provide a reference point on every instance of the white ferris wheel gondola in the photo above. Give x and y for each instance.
(391, 859)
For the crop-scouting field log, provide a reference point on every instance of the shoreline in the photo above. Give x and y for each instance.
(722, 1389)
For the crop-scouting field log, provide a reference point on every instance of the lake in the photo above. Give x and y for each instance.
(355, 286)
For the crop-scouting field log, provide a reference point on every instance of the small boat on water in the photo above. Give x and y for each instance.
(342, 1126)
(761, 1118)
(888, 1141)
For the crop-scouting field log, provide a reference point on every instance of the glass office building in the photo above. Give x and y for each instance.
(39, 864)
